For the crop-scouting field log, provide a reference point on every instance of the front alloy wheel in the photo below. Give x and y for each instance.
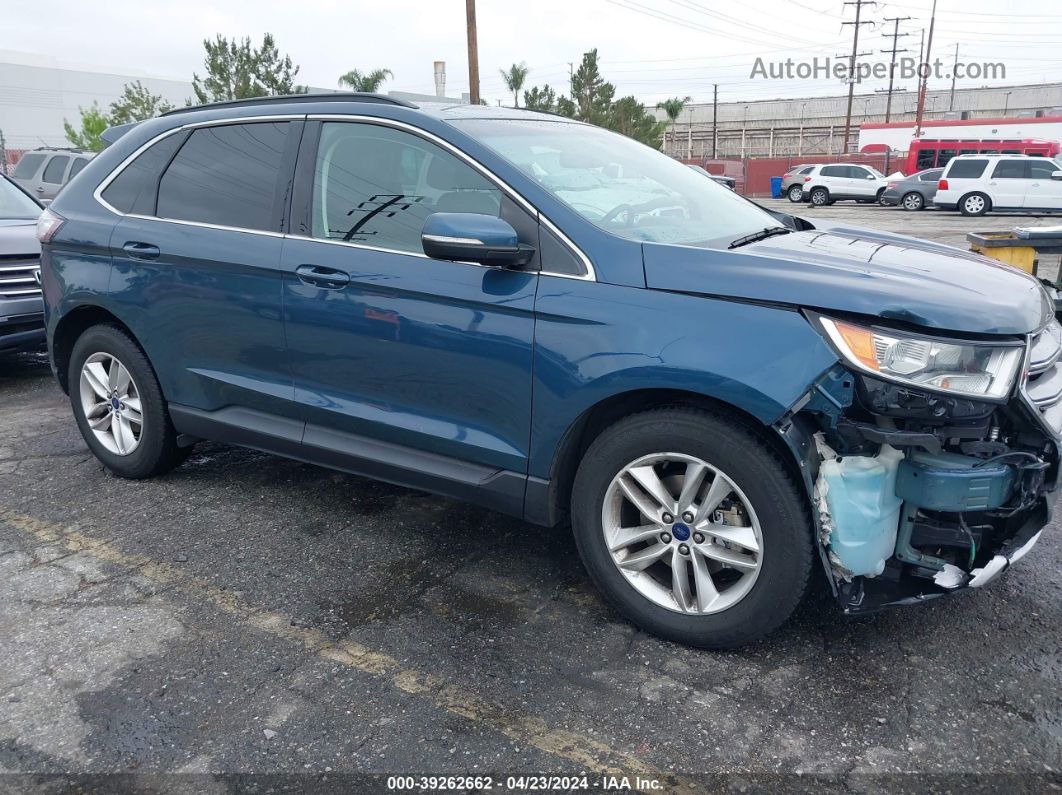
(682, 533)
(692, 525)
(111, 402)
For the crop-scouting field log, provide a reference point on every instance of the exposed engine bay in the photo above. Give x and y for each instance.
(920, 492)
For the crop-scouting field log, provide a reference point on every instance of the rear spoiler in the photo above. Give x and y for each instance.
(112, 134)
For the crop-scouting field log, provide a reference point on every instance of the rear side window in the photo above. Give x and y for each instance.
(834, 171)
(226, 175)
(133, 190)
(1010, 169)
(966, 169)
(930, 176)
(28, 166)
(1042, 169)
(53, 172)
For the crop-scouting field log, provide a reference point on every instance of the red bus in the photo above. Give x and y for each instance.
(936, 152)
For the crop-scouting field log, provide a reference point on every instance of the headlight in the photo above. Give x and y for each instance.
(968, 368)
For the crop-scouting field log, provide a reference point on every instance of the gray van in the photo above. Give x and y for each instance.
(44, 171)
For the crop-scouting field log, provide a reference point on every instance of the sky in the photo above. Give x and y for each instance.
(652, 49)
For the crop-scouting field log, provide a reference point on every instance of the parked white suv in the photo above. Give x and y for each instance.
(831, 182)
(42, 172)
(976, 184)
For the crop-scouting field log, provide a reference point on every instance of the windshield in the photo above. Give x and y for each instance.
(16, 204)
(620, 185)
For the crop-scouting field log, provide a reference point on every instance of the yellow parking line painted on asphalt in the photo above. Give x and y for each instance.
(589, 754)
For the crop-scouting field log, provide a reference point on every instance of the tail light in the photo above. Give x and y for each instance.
(890, 185)
(47, 225)
(942, 185)
(807, 179)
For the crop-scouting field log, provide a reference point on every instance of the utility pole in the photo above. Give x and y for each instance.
(715, 109)
(892, 58)
(473, 52)
(3, 154)
(954, 70)
(852, 61)
(925, 74)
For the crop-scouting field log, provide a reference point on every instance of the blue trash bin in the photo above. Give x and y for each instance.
(776, 187)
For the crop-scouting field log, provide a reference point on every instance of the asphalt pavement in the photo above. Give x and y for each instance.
(251, 624)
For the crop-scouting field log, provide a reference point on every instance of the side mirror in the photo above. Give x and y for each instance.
(473, 237)
(871, 176)
(1056, 175)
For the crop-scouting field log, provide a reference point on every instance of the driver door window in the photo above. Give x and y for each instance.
(375, 185)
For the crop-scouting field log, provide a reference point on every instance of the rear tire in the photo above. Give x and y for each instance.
(974, 204)
(763, 500)
(795, 194)
(820, 197)
(913, 201)
(149, 443)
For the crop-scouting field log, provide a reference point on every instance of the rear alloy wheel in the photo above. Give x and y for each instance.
(119, 407)
(692, 527)
(111, 402)
(820, 197)
(912, 201)
(974, 204)
(795, 194)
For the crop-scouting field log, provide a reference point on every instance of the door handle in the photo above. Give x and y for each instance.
(320, 276)
(138, 250)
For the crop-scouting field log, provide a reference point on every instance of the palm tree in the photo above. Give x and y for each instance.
(673, 107)
(514, 78)
(369, 82)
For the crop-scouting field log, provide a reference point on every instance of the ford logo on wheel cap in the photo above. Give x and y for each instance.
(681, 532)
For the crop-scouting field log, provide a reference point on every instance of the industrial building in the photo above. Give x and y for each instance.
(815, 125)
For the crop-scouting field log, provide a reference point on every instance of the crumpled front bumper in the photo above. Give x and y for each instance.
(869, 595)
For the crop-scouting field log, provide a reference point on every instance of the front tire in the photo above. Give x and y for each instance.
(692, 527)
(119, 407)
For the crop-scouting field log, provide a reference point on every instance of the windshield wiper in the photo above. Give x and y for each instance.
(763, 234)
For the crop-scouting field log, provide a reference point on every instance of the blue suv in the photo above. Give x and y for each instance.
(559, 323)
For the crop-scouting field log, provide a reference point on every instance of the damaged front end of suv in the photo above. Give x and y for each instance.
(929, 457)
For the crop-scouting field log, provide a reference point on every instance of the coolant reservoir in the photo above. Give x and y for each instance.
(864, 511)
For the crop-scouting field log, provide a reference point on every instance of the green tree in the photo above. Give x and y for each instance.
(369, 82)
(514, 78)
(629, 117)
(137, 104)
(544, 98)
(93, 122)
(672, 108)
(238, 70)
(591, 94)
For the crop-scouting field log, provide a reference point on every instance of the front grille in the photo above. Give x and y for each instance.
(19, 277)
(1043, 385)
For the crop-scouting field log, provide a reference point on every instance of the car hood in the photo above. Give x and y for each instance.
(18, 237)
(864, 272)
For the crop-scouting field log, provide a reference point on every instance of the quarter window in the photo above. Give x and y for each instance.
(226, 175)
(136, 186)
(28, 166)
(79, 163)
(375, 185)
(53, 172)
(966, 169)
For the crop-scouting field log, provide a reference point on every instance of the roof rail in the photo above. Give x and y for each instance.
(332, 96)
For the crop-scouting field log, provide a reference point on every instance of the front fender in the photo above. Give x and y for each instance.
(595, 341)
